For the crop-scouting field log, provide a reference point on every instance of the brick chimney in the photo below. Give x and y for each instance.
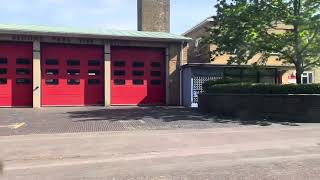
(154, 15)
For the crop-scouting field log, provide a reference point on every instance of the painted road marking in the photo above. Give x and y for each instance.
(19, 125)
(14, 126)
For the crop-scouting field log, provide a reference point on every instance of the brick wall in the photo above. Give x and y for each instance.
(317, 75)
(154, 15)
(287, 108)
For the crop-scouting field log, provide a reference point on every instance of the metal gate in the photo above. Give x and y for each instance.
(197, 83)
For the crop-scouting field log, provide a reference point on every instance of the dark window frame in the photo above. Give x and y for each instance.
(119, 82)
(119, 72)
(54, 82)
(73, 72)
(54, 72)
(155, 64)
(138, 64)
(52, 62)
(138, 82)
(23, 81)
(23, 61)
(73, 62)
(3, 71)
(23, 71)
(94, 71)
(94, 81)
(73, 82)
(256, 77)
(119, 63)
(94, 63)
(3, 81)
(155, 73)
(138, 73)
(3, 61)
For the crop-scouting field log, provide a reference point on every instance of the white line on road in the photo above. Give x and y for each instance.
(14, 126)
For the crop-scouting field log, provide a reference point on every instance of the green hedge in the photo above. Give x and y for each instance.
(208, 84)
(248, 88)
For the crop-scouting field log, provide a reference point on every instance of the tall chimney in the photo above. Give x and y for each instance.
(154, 15)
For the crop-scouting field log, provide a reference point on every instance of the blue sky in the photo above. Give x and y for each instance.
(109, 14)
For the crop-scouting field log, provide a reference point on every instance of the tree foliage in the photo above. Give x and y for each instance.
(289, 29)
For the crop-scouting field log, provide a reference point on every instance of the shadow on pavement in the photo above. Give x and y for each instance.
(164, 114)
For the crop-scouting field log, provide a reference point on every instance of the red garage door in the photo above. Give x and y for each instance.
(138, 76)
(72, 75)
(15, 74)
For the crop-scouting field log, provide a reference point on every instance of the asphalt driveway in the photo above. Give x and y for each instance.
(17, 121)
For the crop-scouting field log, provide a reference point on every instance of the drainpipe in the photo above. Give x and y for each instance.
(180, 69)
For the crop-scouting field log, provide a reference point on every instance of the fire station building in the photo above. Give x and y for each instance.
(45, 66)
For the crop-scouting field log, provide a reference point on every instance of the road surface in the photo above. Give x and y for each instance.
(250, 153)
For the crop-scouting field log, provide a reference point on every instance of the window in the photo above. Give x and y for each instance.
(3, 61)
(21, 71)
(23, 61)
(119, 82)
(156, 82)
(3, 81)
(119, 63)
(233, 73)
(52, 71)
(307, 78)
(93, 81)
(23, 81)
(3, 71)
(250, 75)
(267, 72)
(93, 63)
(73, 72)
(52, 81)
(138, 82)
(197, 42)
(138, 64)
(155, 64)
(93, 72)
(73, 81)
(155, 73)
(119, 73)
(268, 76)
(52, 62)
(138, 73)
(73, 62)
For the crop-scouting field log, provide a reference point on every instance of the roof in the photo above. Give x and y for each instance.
(209, 65)
(89, 33)
(209, 19)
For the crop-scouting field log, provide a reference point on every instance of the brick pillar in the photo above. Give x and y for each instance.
(167, 77)
(107, 74)
(173, 74)
(154, 15)
(36, 75)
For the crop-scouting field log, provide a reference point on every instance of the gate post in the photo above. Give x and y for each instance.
(36, 74)
(107, 74)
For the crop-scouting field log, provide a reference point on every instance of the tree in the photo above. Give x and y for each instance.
(287, 29)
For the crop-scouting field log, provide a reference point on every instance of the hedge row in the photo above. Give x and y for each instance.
(208, 84)
(249, 88)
